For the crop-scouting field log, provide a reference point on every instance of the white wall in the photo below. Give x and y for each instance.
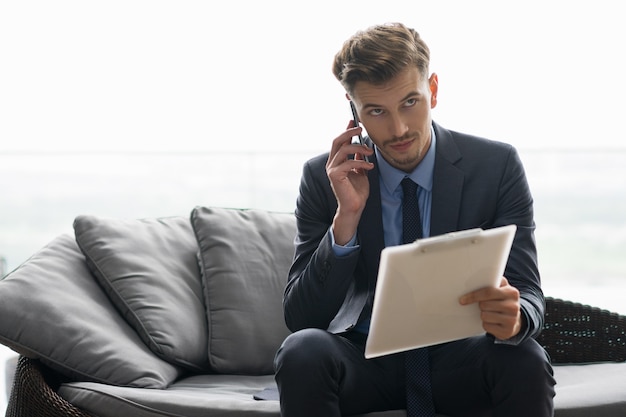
(195, 75)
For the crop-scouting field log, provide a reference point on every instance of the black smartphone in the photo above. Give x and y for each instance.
(355, 117)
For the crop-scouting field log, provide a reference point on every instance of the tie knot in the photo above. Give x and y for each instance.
(408, 186)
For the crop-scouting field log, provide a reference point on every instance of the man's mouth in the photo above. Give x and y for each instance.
(402, 145)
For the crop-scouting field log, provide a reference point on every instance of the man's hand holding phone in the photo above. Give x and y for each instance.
(347, 170)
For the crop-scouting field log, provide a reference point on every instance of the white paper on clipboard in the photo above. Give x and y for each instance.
(416, 303)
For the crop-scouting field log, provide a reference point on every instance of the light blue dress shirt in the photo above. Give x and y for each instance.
(391, 193)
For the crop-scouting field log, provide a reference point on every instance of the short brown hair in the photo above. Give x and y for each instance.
(379, 53)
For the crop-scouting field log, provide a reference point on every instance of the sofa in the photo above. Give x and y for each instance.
(182, 316)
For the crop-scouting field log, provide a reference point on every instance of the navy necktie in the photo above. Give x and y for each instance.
(419, 402)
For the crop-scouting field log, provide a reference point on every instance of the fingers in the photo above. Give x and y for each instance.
(342, 150)
(348, 179)
(502, 323)
(490, 293)
(499, 307)
(344, 139)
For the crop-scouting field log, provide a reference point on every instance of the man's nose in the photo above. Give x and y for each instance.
(398, 126)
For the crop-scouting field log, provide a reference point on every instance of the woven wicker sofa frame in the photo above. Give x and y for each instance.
(574, 333)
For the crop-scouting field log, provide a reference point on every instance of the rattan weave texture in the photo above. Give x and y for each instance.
(33, 395)
(578, 333)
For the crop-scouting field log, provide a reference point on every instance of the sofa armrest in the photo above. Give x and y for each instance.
(33, 393)
(579, 333)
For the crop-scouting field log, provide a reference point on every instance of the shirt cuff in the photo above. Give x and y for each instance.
(343, 250)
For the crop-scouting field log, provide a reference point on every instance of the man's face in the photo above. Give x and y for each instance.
(397, 116)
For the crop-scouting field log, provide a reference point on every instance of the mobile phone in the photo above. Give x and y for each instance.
(355, 117)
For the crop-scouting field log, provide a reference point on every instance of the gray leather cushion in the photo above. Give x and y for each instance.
(149, 270)
(596, 390)
(244, 257)
(196, 396)
(53, 309)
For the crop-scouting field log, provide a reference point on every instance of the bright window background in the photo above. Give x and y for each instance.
(148, 108)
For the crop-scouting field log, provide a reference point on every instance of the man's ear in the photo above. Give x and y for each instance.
(433, 84)
(348, 97)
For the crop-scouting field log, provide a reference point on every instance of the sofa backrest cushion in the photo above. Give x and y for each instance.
(149, 269)
(244, 257)
(53, 309)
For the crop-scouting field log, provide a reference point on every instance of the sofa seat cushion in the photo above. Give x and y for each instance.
(596, 390)
(584, 390)
(196, 396)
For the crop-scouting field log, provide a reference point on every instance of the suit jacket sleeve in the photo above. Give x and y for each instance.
(318, 279)
(515, 206)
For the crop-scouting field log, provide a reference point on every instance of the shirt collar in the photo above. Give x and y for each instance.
(422, 174)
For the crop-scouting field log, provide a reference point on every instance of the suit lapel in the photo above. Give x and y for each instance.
(448, 182)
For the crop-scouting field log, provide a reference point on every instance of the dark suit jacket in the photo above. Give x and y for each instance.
(477, 183)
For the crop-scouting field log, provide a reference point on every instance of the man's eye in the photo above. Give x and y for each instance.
(410, 102)
(376, 112)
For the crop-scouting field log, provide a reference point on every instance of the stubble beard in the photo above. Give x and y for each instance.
(410, 161)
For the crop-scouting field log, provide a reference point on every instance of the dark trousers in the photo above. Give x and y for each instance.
(321, 374)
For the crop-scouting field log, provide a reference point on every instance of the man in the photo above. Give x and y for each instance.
(349, 209)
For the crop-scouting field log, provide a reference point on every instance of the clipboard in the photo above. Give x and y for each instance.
(416, 303)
